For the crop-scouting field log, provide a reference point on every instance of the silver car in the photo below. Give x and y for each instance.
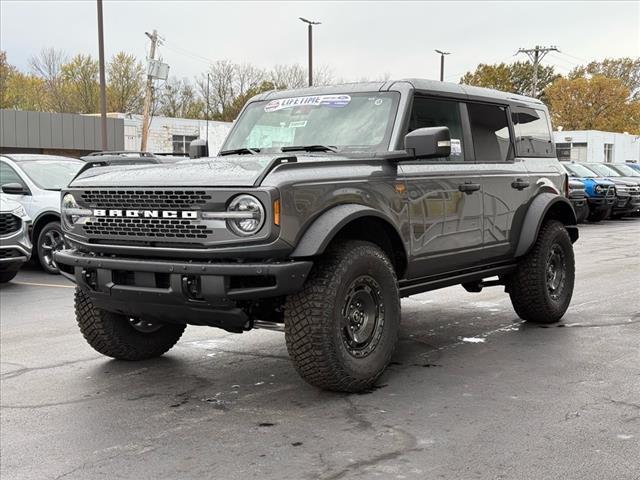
(35, 182)
(15, 246)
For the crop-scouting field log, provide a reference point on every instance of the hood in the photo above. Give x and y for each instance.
(227, 171)
(575, 184)
(594, 180)
(627, 181)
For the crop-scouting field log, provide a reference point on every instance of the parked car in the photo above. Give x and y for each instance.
(324, 207)
(601, 193)
(35, 182)
(635, 166)
(15, 246)
(627, 188)
(578, 198)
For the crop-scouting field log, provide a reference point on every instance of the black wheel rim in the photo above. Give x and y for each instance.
(144, 326)
(555, 271)
(52, 242)
(362, 316)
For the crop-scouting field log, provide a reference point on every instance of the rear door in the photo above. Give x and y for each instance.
(444, 196)
(506, 184)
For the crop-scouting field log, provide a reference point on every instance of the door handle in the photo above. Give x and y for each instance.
(519, 184)
(468, 187)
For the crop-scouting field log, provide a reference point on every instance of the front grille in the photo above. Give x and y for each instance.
(144, 199)
(146, 227)
(9, 253)
(9, 223)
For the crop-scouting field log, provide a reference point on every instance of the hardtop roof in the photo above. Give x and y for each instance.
(435, 87)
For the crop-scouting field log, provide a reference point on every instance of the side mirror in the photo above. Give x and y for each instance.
(432, 142)
(14, 189)
(198, 149)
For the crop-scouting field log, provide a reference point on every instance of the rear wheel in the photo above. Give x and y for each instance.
(542, 285)
(120, 337)
(342, 328)
(50, 240)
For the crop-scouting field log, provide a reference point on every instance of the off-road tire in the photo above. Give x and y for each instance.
(113, 335)
(7, 276)
(314, 330)
(529, 286)
(596, 216)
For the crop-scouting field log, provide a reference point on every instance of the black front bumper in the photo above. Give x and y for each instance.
(201, 293)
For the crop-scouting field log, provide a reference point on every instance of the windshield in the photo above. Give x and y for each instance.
(626, 170)
(603, 170)
(354, 122)
(580, 171)
(51, 174)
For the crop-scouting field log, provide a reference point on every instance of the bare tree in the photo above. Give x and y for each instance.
(179, 98)
(247, 77)
(222, 79)
(48, 65)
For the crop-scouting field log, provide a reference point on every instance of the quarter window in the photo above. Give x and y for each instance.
(428, 112)
(490, 131)
(533, 138)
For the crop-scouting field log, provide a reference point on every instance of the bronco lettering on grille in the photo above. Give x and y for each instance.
(188, 214)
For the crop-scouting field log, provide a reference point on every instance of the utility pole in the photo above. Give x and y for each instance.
(310, 42)
(442, 54)
(536, 55)
(103, 90)
(208, 77)
(148, 98)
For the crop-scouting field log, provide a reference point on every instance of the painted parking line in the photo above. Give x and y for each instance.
(44, 285)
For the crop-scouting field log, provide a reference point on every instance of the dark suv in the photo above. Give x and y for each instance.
(324, 207)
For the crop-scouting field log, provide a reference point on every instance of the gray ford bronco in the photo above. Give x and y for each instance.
(324, 207)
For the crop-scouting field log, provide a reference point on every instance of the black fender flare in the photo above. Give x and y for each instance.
(536, 213)
(319, 234)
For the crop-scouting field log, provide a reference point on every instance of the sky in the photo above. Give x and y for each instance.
(363, 39)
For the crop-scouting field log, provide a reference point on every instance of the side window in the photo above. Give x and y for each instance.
(490, 132)
(533, 137)
(9, 175)
(428, 112)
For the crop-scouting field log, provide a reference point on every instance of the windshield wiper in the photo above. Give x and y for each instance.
(310, 148)
(240, 151)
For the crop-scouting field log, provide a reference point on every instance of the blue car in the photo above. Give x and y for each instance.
(601, 193)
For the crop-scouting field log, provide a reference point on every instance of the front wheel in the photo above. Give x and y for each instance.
(342, 328)
(50, 241)
(121, 337)
(542, 285)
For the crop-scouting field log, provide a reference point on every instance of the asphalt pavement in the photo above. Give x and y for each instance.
(472, 393)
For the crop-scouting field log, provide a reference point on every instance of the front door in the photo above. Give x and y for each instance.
(444, 196)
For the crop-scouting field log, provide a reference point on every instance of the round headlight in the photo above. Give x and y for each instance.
(248, 215)
(599, 189)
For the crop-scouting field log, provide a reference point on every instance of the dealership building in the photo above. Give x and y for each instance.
(597, 146)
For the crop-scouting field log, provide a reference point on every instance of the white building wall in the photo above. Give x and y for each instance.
(625, 147)
(163, 129)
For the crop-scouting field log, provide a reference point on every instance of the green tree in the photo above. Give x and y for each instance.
(626, 69)
(514, 77)
(7, 71)
(80, 83)
(125, 84)
(596, 103)
(230, 113)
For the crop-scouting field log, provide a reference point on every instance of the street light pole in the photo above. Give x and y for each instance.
(103, 92)
(442, 54)
(310, 43)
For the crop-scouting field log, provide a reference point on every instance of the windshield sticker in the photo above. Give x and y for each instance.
(456, 147)
(300, 124)
(334, 101)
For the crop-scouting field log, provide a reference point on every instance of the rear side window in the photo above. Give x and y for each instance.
(428, 112)
(533, 138)
(490, 131)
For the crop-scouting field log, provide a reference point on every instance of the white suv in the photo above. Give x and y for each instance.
(35, 182)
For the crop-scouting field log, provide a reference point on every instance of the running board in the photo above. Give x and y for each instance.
(425, 284)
